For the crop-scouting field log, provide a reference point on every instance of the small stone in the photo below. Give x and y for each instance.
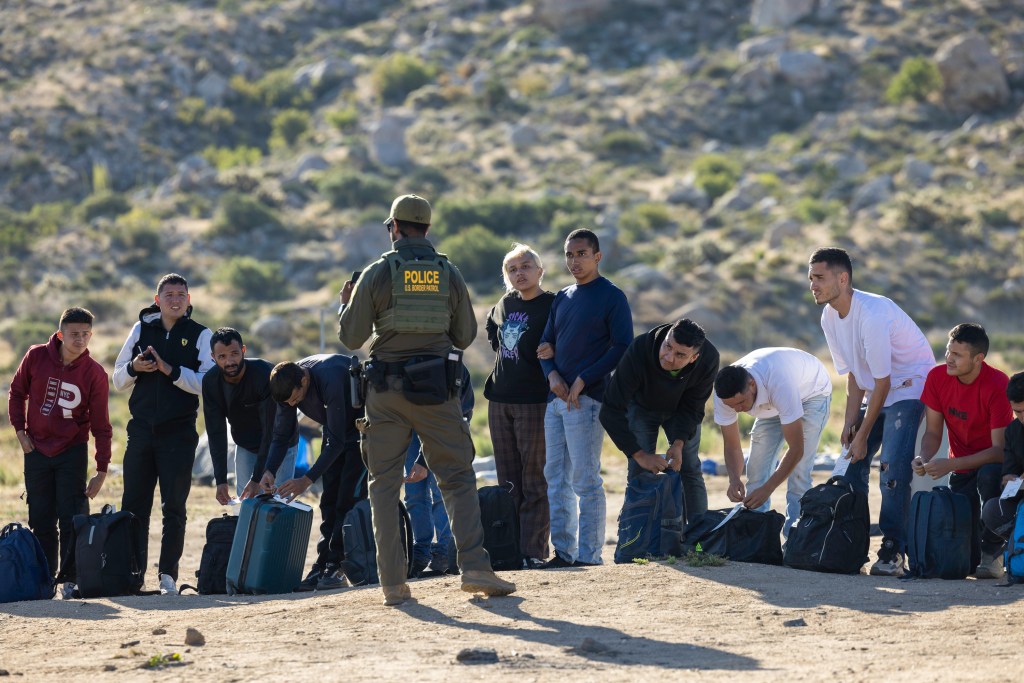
(109, 667)
(130, 643)
(592, 646)
(194, 637)
(159, 631)
(4, 672)
(795, 622)
(477, 655)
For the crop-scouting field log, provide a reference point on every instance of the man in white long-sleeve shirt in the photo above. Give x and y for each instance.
(163, 362)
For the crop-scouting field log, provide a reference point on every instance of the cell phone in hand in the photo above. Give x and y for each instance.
(147, 355)
(355, 276)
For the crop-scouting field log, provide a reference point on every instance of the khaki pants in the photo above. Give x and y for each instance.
(448, 449)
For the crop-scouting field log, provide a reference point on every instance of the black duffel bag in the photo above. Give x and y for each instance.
(747, 536)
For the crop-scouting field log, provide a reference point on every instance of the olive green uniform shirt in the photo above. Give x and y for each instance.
(372, 296)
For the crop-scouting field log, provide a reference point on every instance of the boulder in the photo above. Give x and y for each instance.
(848, 166)
(768, 14)
(754, 81)
(645, 277)
(194, 174)
(742, 197)
(917, 172)
(387, 138)
(322, 74)
(804, 70)
(685, 192)
(307, 162)
(782, 230)
(972, 76)
(568, 14)
(273, 331)
(212, 88)
(871, 193)
(522, 136)
(762, 46)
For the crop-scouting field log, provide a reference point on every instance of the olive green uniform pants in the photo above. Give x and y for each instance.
(448, 449)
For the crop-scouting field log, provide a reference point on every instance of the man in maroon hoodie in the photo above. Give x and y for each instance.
(67, 394)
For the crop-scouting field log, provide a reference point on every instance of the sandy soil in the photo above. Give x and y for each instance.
(614, 622)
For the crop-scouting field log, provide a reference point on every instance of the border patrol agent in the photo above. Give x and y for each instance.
(416, 306)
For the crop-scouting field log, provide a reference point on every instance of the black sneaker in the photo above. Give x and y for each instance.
(332, 579)
(890, 560)
(556, 562)
(312, 578)
(418, 567)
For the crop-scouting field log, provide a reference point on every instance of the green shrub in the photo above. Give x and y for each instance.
(918, 78)
(18, 230)
(137, 229)
(811, 210)
(396, 76)
(428, 181)
(218, 119)
(190, 110)
(24, 333)
(641, 221)
(343, 119)
(347, 189)
(623, 143)
(289, 126)
(716, 174)
(505, 216)
(231, 157)
(477, 252)
(240, 214)
(246, 275)
(103, 204)
(275, 90)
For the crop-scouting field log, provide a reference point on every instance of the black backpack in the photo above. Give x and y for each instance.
(747, 537)
(939, 535)
(213, 566)
(107, 558)
(360, 563)
(500, 521)
(833, 530)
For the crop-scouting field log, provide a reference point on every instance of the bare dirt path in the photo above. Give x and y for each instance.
(614, 622)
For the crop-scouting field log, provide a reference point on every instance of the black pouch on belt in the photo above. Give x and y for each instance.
(425, 383)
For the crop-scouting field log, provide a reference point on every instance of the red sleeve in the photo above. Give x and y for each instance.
(19, 393)
(99, 418)
(930, 394)
(999, 411)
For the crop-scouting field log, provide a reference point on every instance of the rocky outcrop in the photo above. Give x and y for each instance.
(972, 76)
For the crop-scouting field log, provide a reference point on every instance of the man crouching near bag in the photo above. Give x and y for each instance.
(416, 306)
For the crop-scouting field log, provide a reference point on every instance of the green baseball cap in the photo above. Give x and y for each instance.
(410, 207)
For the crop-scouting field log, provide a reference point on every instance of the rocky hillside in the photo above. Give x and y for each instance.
(255, 145)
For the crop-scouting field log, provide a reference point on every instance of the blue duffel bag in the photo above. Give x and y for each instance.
(24, 571)
(651, 521)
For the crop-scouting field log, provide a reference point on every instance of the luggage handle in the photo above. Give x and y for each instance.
(947, 494)
(840, 480)
(9, 529)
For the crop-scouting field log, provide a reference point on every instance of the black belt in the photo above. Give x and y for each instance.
(398, 367)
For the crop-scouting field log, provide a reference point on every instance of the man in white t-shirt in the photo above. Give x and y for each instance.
(788, 392)
(885, 358)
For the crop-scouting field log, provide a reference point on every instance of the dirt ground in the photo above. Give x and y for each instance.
(613, 622)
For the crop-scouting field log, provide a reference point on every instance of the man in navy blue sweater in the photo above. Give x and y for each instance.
(588, 330)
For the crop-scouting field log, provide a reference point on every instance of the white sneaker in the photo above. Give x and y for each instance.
(991, 567)
(67, 591)
(167, 586)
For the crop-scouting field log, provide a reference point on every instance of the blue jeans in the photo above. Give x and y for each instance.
(245, 460)
(895, 431)
(645, 425)
(766, 443)
(426, 510)
(573, 472)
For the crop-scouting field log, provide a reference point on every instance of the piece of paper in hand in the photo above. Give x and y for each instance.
(234, 501)
(293, 503)
(729, 516)
(1012, 488)
(842, 463)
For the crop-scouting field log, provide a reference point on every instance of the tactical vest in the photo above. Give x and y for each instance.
(419, 295)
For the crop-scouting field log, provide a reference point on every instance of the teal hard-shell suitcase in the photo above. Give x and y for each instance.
(269, 549)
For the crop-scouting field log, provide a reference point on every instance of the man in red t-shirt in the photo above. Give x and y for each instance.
(970, 397)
